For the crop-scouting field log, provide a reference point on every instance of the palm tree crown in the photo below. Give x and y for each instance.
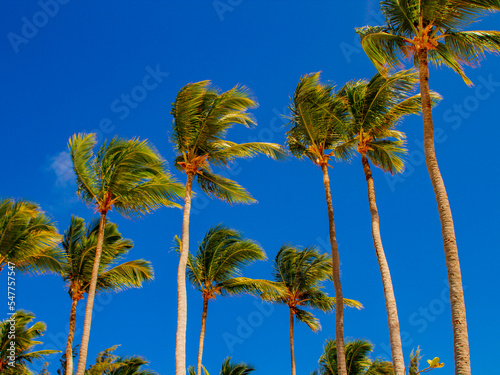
(215, 269)
(301, 273)
(432, 26)
(79, 246)
(202, 116)
(26, 338)
(28, 238)
(128, 175)
(318, 115)
(357, 358)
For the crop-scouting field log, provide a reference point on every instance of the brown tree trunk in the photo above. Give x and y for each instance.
(460, 335)
(71, 335)
(292, 348)
(82, 359)
(339, 304)
(390, 300)
(202, 334)
(180, 338)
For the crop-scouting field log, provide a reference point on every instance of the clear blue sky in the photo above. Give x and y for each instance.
(117, 66)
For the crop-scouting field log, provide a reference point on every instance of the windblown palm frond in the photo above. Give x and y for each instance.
(26, 337)
(110, 364)
(436, 26)
(28, 238)
(357, 359)
(317, 114)
(129, 175)
(301, 273)
(79, 247)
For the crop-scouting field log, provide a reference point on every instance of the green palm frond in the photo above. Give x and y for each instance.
(130, 274)
(471, 46)
(79, 246)
(308, 318)
(202, 116)
(301, 272)
(216, 267)
(317, 114)
(388, 155)
(257, 287)
(229, 368)
(129, 175)
(437, 27)
(27, 335)
(358, 361)
(225, 152)
(223, 188)
(28, 238)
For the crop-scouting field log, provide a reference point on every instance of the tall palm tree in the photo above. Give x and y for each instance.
(79, 245)
(229, 368)
(128, 175)
(202, 116)
(432, 31)
(17, 340)
(301, 274)
(357, 357)
(215, 270)
(376, 107)
(317, 115)
(28, 238)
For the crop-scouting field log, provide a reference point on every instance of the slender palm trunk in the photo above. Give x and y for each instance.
(202, 334)
(292, 348)
(390, 300)
(82, 359)
(339, 300)
(180, 338)
(460, 336)
(71, 335)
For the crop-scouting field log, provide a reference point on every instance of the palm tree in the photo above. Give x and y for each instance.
(128, 175)
(375, 108)
(317, 114)
(110, 364)
(79, 246)
(17, 340)
(229, 368)
(301, 274)
(357, 358)
(430, 31)
(202, 116)
(216, 267)
(28, 238)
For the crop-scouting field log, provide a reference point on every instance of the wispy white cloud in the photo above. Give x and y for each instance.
(63, 168)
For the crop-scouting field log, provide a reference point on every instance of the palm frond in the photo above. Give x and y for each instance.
(130, 274)
(81, 152)
(223, 188)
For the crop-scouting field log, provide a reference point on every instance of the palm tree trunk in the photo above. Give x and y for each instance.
(82, 359)
(71, 335)
(180, 338)
(292, 348)
(202, 334)
(339, 300)
(460, 335)
(390, 300)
